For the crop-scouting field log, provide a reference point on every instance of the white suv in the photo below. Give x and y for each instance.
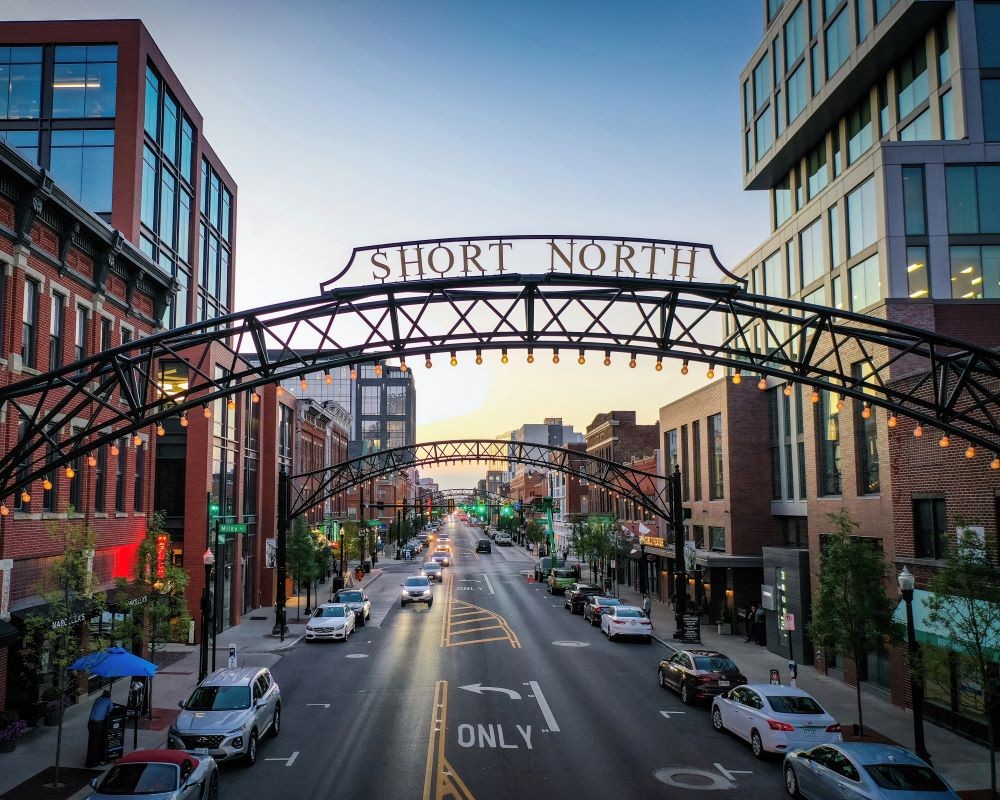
(417, 589)
(227, 714)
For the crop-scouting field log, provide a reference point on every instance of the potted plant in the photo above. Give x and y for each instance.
(10, 728)
(52, 701)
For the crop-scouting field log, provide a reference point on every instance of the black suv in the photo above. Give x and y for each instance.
(576, 595)
(483, 546)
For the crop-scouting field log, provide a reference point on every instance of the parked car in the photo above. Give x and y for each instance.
(699, 674)
(866, 771)
(417, 589)
(576, 595)
(504, 540)
(774, 719)
(359, 602)
(167, 774)
(484, 546)
(228, 713)
(443, 557)
(433, 571)
(544, 565)
(560, 580)
(618, 621)
(594, 606)
(331, 621)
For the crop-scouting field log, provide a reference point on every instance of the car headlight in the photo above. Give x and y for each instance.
(234, 732)
(427, 593)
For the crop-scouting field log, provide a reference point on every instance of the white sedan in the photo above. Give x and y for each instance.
(626, 621)
(330, 621)
(774, 719)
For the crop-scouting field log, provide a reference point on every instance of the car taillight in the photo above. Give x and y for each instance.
(646, 622)
(774, 725)
(835, 728)
(618, 621)
(706, 678)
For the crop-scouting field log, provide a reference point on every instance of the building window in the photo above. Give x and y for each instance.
(772, 275)
(828, 445)
(82, 162)
(866, 284)
(696, 457)
(152, 104)
(22, 468)
(973, 199)
(168, 194)
(56, 325)
(991, 109)
(50, 497)
(671, 448)
(930, 534)
(811, 252)
(184, 225)
(864, 19)
(838, 42)
(917, 272)
(120, 463)
(147, 212)
(774, 441)
(882, 7)
(715, 476)
(867, 440)
(698, 534)
(791, 272)
(782, 202)
(795, 36)
(838, 292)
(796, 531)
(762, 81)
(84, 82)
(76, 482)
(187, 149)
(859, 130)
(883, 108)
(797, 93)
(29, 330)
(919, 130)
(836, 251)
(25, 142)
(168, 133)
(911, 81)
(818, 175)
(139, 478)
(764, 132)
(838, 162)
(717, 539)
(914, 203)
(80, 334)
(816, 298)
(685, 464)
(988, 34)
(947, 117)
(862, 218)
(975, 272)
(100, 476)
(20, 82)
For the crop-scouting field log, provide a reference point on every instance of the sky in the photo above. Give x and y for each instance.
(347, 123)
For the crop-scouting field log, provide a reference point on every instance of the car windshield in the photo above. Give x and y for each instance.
(131, 779)
(351, 597)
(564, 573)
(332, 611)
(219, 698)
(432, 566)
(628, 612)
(906, 777)
(607, 601)
(714, 664)
(441, 553)
(793, 704)
(416, 583)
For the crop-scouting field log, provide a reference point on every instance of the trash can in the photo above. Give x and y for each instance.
(366, 565)
(336, 584)
(607, 585)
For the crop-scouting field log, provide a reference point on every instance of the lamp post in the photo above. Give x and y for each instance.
(906, 583)
(208, 559)
(642, 567)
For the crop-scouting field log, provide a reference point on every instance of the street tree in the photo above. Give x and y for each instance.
(853, 614)
(300, 556)
(535, 532)
(965, 604)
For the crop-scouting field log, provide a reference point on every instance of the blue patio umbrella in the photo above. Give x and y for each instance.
(115, 662)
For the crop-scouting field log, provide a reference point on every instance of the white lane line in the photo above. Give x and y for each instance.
(488, 584)
(536, 690)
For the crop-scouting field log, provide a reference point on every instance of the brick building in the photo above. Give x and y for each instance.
(615, 436)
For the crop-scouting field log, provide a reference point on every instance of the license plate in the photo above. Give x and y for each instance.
(723, 683)
(200, 750)
(809, 733)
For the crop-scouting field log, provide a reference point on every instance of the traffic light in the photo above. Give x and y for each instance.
(481, 509)
(506, 511)
(213, 508)
(451, 504)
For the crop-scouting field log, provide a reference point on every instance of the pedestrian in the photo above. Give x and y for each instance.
(565, 553)
(760, 617)
(96, 727)
(749, 619)
(646, 605)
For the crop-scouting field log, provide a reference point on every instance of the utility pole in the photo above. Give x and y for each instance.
(547, 505)
(284, 500)
(680, 568)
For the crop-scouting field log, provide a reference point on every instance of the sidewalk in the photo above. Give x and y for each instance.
(962, 762)
(175, 679)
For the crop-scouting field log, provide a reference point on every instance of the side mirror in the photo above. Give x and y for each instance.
(93, 782)
(180, 704)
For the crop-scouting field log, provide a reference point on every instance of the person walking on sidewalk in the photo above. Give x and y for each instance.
(96, 728)
(750, 619)
(760, 619)
(647, 606)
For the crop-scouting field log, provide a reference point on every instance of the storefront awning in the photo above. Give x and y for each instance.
(928, 632)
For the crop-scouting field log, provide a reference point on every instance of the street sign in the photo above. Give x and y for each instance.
(233, 527)
(232, 656)
(651, 541)
(789, 622)
(691, 629)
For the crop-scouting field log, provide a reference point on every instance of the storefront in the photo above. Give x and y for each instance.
(785, 593)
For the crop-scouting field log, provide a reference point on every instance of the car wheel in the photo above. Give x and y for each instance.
(660, 679)
(791, 782)
(362, 623)
(717, 720)
(213, 787)
(757, 745)
(430, 604)
(276, 722)
(686, 698)
(252, 750)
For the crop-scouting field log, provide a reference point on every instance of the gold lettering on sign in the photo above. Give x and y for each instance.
(501, 245)
(653, 249)
(677, 262)
(471, 258)
(583, 257)
(555, 250)
(430, 260)
(621, 258)
(379, 265)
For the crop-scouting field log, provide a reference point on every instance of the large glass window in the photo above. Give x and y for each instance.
(859, 131)
(782, 202)
(29, 330)
(836, 251)
(20, 82)
(762, 81)
(168, 190)
(811, 252)
(866, 430)
(883, 107)
(838, 42)
(838, 292)
(818, 174)
(696, 458)
(80, 334)
(930, 532)
(168, 138)
(715, 476)
(795, 36)
(798, 92)
(988, 34)
(25, 142)
(147, 211)
(84, 81)
(911, 81)
(882, 8)
(866, 285)
(56, 330)
(917, 272)
(914, 203)
(919, 130)
(947, 117)
(862, 219)
(975, 272)
(82, 162)
(864, 19)
(187, 149)
(764, 130)
(772, 275)
(152, 120)
(828, 445)
(973, 195)
(816, 61)
(184, 226)
(991, 109)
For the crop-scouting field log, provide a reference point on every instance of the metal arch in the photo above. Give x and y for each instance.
(952, 385)
(473, 494)
(312, 488)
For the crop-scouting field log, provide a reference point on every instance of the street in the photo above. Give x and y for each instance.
(495, 691)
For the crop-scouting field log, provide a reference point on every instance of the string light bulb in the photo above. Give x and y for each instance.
(91, 461)
(454, 359)
(281, 391)
(659, 364)
(303, 383)
(918, 431)
(711, 372)
(840, 403)
(4, 511)
(70, 472)
(427, 361)
(255, 398)
(970, 452)
(787, 391)
(892, 421)
(684, 367)
(231, 403)
(531, 357)
(184, 419)
(762, 383)
(866, 412)
(47, 485)
(207, 411)
(555, 356)
(402, 365)
(503, 356)
(631, 362)
(114, 449)
(944, 441)
(160, 430)
(137, 440)
(814, 397)
(378, 369)
(737, 378)
(607, 358)
(479, 357)
(25, 497)
(328, 378)
(995, 463)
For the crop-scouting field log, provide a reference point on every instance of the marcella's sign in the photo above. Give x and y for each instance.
(655, 259)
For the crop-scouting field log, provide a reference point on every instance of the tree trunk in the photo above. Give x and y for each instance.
(59, 733)
(993, 749)
(857, 689)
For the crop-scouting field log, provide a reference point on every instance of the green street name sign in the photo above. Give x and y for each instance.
(233, 527)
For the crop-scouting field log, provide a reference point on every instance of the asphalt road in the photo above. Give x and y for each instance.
(495, 692)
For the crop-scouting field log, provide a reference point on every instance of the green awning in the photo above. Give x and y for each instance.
(928, 632)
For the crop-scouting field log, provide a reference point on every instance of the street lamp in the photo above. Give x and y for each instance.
(906, 582)
(208, 559)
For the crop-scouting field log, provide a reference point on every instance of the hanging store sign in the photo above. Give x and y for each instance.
(655, 259)
(162, 541)
(651, 541)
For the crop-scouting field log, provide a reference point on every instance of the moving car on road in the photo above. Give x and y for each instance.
(359, 603)
(227, 714)
(577, 594)
(699, 674)
(504, 540)
(560, 579)
(162, 774)
(433, 571)
(417, 589)
(594, 606)
(774, 719)
(331, 621)
(443, 557)
(864, 771)
(483, 546)
(618, 621)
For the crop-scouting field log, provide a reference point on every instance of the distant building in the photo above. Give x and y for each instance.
(615, 436)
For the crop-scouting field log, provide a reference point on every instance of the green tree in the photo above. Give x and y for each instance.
(300, 555)
(965, 603)
(535, 532)
(853, 614)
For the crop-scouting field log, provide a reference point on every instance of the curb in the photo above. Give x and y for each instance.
(290, 645)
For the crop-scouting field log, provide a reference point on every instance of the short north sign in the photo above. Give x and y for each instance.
(582, 255)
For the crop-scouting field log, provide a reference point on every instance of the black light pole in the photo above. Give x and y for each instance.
(680, 568)
(642, 566)
(217, 605)
(284, 486)
(906, 583)
(208, 559)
